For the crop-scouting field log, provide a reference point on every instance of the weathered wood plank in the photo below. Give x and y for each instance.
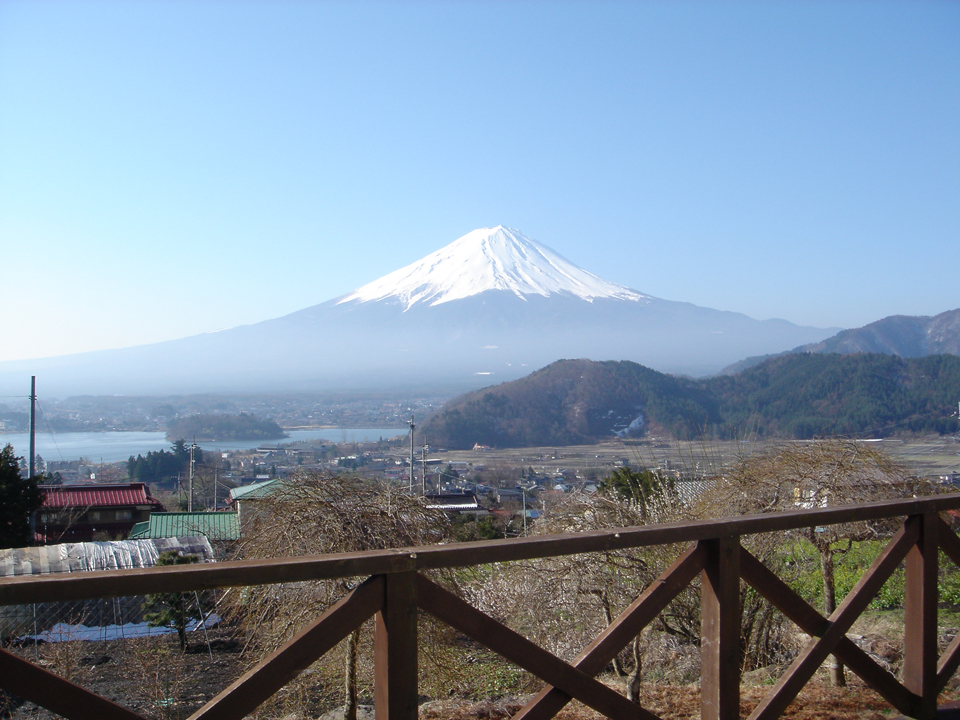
(949, 662)
(448, 608)
(595, 657)
(720, 630)
(256, 686)
(52, 692)
(817, 650)
(920, 617)
(949, 542)
(796, 609)
(395, 650)
(23, 590)
(202, 576)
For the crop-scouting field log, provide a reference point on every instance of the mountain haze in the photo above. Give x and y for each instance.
(492, 305)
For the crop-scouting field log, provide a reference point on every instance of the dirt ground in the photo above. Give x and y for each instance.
(154, 679)
(150, 676)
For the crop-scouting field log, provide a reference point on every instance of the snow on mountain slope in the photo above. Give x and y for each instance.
(489, 259)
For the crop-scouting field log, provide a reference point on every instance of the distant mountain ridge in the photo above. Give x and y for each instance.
(908, 336)
(902, 335)
(792, 396)
(493, 304)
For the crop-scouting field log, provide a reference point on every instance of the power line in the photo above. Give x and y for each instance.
(50, 430)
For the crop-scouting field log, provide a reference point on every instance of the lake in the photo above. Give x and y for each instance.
(111, 447)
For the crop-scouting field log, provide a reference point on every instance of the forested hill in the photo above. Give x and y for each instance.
(865, 394)
(565, 403)
(224, 427)
(792, 396)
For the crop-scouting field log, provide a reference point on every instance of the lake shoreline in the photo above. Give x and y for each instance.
(117, 446)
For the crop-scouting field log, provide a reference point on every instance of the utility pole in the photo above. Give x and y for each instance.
(33, 447)
(413, 427)
(523, 508)
(423, 469)
(33, 425)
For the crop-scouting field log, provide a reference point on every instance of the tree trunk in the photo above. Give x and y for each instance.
(633, 687)
(608, 616)
(350, 678)
(182, 618)
(837, 678)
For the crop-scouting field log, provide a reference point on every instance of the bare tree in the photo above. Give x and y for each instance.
(816, 474)
(563, 603)
(315, 514)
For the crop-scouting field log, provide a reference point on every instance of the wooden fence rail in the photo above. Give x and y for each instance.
(396, 591)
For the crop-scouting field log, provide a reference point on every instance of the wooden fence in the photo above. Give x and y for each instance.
(396, 591)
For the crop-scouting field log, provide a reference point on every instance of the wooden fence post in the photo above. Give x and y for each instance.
(720, 630)
(395, 650)
(920, 651)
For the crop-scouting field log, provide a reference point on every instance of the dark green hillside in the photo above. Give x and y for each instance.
(791, 396)
(808, 395)
(570, 402)
(224, 427)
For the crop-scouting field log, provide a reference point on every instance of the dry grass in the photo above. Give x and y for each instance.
(817, 701)
(673, 702)
(141, 675)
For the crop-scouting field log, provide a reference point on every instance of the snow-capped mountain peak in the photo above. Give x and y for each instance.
(497, 258)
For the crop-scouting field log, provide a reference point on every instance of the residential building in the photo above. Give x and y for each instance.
(79, 513)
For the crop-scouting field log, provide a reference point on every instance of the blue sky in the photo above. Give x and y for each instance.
(171, 168)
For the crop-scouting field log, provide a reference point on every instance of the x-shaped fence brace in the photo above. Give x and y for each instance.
(394, 599)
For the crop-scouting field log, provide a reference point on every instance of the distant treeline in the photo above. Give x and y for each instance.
(162, 465)
(792, 396)
(213, 428)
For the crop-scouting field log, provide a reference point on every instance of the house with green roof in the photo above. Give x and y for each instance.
(253, 491)
(248, 495)
(211, 525)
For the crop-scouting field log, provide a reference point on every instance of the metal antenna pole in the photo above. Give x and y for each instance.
(413, 427)
(33, 425)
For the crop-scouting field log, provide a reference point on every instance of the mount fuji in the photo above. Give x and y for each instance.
(491, 306)
(488, 259)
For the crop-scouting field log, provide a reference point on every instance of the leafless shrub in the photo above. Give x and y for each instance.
(315, 514)
(65, 659)
(796, 475)
(158, 674)
(563, 603)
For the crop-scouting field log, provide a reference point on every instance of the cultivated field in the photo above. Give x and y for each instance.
(927, 456)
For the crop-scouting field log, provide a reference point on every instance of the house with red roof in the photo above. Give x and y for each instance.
(78, 513)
